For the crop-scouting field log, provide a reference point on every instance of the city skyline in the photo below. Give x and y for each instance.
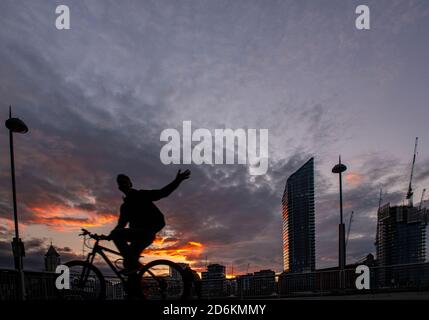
(97, 97)
(301, 184)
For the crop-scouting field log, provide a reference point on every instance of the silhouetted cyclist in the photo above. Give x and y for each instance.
(143, 217)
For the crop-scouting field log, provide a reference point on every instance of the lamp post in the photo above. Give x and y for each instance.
(16, 125)
(339, 169)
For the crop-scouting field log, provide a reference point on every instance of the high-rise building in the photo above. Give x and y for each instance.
(401, 235)
(400, 245)
(298, 220)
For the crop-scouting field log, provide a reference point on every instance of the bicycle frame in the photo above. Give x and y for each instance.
(98, 249)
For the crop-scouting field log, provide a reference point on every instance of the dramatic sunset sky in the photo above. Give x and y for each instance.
(97, 97)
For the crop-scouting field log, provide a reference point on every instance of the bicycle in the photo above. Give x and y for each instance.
(158, 279)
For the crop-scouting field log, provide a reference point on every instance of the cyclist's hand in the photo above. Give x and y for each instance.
(104, 237)
(111, 235)
(183, 175)
(84, 232)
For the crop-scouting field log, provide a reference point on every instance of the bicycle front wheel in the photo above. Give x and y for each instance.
(164, 280)
(86, 282)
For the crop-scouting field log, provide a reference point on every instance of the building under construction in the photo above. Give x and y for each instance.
(401, 235)
(401, 246)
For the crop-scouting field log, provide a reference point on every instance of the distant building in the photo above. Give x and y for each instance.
(401, 235)
(260, 283)
(326, 279)
(231, 287)
(265, 282)
(244, 284)
(400, 241)
(298, 221)
(214, 281)
(52, 259)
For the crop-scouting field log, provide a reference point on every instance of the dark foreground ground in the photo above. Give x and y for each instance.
(370, 296)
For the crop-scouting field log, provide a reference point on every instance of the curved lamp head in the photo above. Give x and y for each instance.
(16, 125)
(339, 168)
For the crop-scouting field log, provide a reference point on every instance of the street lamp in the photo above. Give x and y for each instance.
(339, 169)
(16, 125)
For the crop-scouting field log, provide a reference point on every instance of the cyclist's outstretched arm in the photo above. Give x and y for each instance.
(155, 195)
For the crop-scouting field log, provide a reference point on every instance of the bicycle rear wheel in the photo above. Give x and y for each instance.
(86, 282)
(163, 280)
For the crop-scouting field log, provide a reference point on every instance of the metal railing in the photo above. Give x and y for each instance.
(406, 277)
(38, 285)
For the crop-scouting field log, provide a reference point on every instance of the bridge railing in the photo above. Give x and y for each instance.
(405, 277)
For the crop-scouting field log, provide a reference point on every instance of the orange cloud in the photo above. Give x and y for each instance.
(172, 249)
(195, 243)
(159, 240)
(63, 218)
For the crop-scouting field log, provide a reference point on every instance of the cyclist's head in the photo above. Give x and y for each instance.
(124, 183)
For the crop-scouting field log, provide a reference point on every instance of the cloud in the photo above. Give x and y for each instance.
(69, 218)
(354, 178)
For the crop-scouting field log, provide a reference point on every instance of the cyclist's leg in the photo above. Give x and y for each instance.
(141, 240)
(121, 237)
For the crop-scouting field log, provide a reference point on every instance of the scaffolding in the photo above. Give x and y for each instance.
(401, 237)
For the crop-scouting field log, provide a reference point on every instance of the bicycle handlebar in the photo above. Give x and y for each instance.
(94, 235)
(84, 232)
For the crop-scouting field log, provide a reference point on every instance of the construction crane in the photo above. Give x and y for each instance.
(410, 188)
(380, 199)
(350, 225)
(422, 199)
